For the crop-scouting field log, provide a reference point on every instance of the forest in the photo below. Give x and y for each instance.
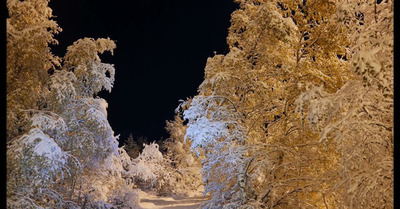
(297, 114)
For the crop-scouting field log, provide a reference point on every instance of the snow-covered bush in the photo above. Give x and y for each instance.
(148, 165)
(153, 171)
(36, 162)
(103, 188)
(166, 182)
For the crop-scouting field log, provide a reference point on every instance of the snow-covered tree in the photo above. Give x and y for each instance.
(29, 24)
(260, 149)
(58, 134)
(359, 116)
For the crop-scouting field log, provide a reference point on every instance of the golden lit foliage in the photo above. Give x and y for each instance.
(291, 153)
(29, 33)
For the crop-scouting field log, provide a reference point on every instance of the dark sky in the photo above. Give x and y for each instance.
(162, 48)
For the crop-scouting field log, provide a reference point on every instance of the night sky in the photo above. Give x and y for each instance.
(162, 48)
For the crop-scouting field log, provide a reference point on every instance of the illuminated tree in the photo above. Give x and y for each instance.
(248, 118)
(58, 134)
(29, 24)
(359, 116)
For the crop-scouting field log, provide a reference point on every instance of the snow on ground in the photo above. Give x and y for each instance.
(191, 201)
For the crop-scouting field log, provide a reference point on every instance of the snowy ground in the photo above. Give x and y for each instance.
(191, 201)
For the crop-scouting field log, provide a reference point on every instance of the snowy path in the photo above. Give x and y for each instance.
(149, 201)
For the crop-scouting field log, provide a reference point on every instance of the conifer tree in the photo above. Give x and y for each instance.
(131, 147)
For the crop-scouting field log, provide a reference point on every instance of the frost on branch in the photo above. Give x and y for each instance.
(90, 136)
(151, 153)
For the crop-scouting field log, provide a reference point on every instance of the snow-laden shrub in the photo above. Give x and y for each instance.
(151, 169)
(123, 197)
(110, 186)
(147, 166)
(166, 181)
(36, 145)
(35, 162)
